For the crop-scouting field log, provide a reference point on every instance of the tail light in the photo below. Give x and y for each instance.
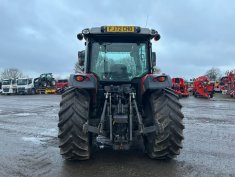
(159, 79)
(81, 78)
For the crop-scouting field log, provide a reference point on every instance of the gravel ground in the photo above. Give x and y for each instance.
(29, 145)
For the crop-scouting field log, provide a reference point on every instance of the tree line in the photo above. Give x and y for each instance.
(216, 74)
(11, 73)
(212, 74)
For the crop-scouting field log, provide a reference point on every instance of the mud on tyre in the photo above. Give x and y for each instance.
(74, 144)
(164, 109)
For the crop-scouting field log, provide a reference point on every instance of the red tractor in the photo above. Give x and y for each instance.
(117, 99)
(202, 87)
(179, 87)
(61, 85)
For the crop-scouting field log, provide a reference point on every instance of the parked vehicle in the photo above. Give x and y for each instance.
(25, 86)
(118, 98)
(45, 84)
(202, 87)
(180, 87)
(9, 86)
(0, 87)
(61, 85)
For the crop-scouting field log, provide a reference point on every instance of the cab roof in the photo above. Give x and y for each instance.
(119, 31)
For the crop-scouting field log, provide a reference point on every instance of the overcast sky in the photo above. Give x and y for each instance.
(39, 36)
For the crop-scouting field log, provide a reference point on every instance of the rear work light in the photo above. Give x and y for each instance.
(81, 78)
(159, 79)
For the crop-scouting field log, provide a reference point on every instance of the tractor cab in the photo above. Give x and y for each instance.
(118, 53)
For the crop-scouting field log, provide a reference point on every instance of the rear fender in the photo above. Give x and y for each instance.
(90, 81)
(149, 82)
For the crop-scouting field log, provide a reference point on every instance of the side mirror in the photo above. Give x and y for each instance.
(80, 36)
(154, 59)
(81, 57)
(157, 37)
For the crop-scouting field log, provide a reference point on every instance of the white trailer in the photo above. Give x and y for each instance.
(25, 86)
(0, 87)
(9, 86)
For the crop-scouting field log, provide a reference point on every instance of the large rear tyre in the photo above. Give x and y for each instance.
(165, 111)
(74, 143)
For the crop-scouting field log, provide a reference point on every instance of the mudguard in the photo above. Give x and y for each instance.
(89, 82)
(150, 82)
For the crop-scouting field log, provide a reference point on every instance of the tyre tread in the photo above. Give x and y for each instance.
(74, 111)
(166, 110)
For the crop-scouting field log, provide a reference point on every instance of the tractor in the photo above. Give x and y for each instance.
(117, 100)
(179, 87)
(45, 83)
(202, 87)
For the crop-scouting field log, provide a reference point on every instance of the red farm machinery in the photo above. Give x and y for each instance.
(61, 85)
(202, 87)
(180, 87)
(228, 84)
